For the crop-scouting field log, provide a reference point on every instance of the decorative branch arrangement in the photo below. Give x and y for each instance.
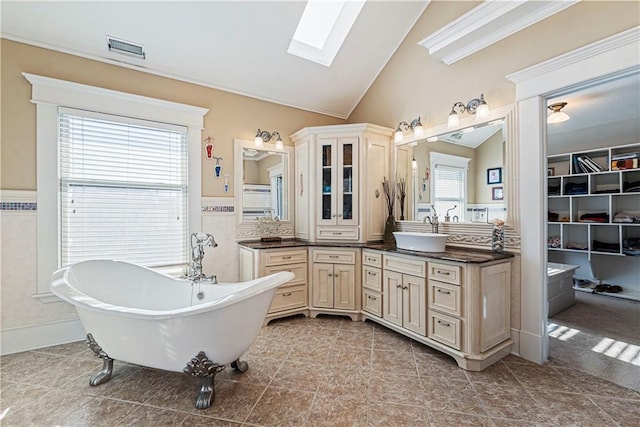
(402, 193)
(389, 189)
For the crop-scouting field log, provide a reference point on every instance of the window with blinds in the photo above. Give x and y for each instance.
(123, 190)
(449, 190)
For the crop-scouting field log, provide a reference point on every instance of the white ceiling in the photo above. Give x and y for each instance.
(236, 46)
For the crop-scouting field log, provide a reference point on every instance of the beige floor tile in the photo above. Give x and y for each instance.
(513, 403)
(565, 409)
(540, 377)
(624, 412)
(281, 407)
(392, 342)
(355, 338)
(337, 411)
(386, 414)
(401, 362)
(99, 412)
(149, 416)
(177, 393)
(350, 356)
(194, 420)
(317, 353)
(448, 419)
(348, 381)
(14, 396)
(588, 384)
(497, 374)
(393, 388)
(429, 366)
(299, 376)
(452, 396)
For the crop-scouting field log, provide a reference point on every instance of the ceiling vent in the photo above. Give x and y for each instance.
(125, 48)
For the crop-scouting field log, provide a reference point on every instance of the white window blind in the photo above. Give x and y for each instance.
(449, 190)
(123, 189)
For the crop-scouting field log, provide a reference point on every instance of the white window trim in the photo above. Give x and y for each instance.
(452, 161)
(48, 94)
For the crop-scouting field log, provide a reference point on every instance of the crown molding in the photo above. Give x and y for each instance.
(487, 24)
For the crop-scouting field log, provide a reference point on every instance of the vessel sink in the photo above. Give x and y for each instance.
(423, 242)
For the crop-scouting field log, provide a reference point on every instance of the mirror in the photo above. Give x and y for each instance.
(263, 182)
(463, 173)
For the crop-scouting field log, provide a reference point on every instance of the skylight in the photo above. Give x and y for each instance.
(322, 29)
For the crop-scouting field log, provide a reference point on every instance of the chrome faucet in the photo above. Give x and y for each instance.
(433, 220)
(447, 218)
(198, 243)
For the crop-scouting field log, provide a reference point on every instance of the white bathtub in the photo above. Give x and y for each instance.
(139, 316)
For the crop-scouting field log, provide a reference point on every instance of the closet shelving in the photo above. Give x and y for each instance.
(583, 204)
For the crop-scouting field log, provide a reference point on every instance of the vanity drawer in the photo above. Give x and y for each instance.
(444, 329)
(299, 270)
(444, 273)
(445, 297)
(289, 297)
(285, 257)
(373, 259)
(337, 233)
(372, 302)
(414, 267)
(372, 278)
(334, 256)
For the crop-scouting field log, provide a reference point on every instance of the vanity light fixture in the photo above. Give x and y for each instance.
(477, 106)
(415, 126)
(558, 115)
(263, 136)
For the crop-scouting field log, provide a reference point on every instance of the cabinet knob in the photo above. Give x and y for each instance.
(333, 216)
(371, 298)
(398, 286)
(371, 273)
(339, 215)
(287, 294)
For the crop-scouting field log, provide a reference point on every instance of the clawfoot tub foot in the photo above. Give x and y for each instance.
(203, 368)
(107, 363)
(239, 365)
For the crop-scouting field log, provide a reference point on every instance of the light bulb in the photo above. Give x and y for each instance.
(258, 142)
(399, 137)
(482, 112)
(454, 120)
(414, 163)
(418, 131)
(279, 144)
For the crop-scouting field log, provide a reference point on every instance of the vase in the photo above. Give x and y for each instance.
(389, 228)
(497, 239)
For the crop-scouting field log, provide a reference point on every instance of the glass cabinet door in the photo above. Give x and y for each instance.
(326, 181)
(347, 181)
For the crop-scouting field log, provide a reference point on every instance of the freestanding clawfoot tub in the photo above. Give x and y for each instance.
(136, 315)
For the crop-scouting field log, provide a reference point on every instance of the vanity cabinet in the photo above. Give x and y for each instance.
(290, 298)
(459, 308)
(372, 282)
(404, 288)
(335, 281)
(338, 182)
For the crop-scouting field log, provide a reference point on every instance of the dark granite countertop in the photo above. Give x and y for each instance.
(472, 256)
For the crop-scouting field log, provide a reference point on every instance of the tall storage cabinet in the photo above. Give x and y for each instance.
(338, 182)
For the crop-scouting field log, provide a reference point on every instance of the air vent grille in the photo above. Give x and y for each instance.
(125, 48)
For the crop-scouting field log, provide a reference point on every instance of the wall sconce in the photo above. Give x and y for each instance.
(477, 106)
(263, 136)
(558, 115)
(414, 163)
(415, 126)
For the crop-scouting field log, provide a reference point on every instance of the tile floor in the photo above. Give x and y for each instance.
(599, 335)
(327, 371)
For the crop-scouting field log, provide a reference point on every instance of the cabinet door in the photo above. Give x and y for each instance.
(392, 301)
(347, 185)
(344, 289)
(414, 304)
(327, 180)
(322, 285)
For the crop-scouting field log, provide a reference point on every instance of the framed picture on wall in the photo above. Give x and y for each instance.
(496, 193)
(494, 176)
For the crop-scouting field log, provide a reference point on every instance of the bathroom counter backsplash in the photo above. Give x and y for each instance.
(472, 256)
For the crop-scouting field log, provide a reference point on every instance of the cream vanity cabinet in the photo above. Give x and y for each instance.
(290, 298)
(335, 279)
(372, 282)
(459, 308)
(338, 182)
(404, 287)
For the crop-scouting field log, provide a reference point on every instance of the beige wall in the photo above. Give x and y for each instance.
(415, 84)
(230, 116)
(490, 154)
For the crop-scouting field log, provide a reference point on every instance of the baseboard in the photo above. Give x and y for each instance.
(31, 337)
(515, 336)
(531, 347)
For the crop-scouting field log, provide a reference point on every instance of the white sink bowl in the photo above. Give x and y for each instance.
(423, 242)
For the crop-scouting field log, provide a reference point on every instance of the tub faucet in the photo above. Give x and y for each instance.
(433, 220)
(198, 243)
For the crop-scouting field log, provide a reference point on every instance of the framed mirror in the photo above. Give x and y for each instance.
(465, 173)
(263, 186)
